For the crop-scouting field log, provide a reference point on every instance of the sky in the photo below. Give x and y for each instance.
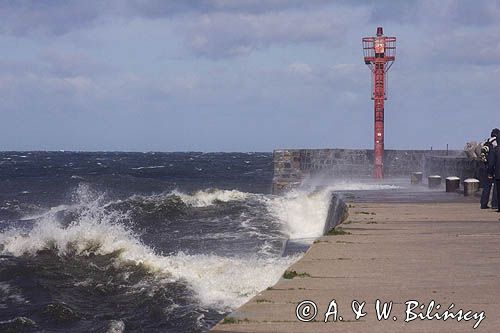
(243, 75)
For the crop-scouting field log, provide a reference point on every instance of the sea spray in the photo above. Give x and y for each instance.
(118, 252)
(303, 211)
(137, 247)
(205, 198)
(219, 282)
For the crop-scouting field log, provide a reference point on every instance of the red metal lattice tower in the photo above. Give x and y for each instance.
(380, 53)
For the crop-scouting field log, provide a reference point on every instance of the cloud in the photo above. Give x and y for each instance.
(300, 68)
(184, 66)
(218, 29)
(72, 64)
(165, 8)
(465, 47)
(463, 13)
(60, 17)
(453, 32)
(220, 35)
(51, 17)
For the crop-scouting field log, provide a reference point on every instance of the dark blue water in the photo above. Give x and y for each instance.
(135, 242)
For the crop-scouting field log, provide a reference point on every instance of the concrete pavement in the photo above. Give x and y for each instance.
(448, 252)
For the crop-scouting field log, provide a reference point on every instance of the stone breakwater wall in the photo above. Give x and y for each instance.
(292, 166)
(462, 167)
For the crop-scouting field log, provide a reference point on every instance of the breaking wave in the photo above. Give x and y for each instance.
(303, 211)
(219, 282)
(209, 197)
(96, 242)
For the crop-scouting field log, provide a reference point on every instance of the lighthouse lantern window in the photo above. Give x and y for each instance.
(379, 45)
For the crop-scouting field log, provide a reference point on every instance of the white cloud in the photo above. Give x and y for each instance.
(300, 68)
(223, 34)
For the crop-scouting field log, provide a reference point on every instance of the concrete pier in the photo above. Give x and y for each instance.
(292, 166)
(423, 249)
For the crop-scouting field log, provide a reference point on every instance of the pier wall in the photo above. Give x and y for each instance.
(291, 166)
(446, 166)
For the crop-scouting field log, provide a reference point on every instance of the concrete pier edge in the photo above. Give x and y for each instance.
(399, 251)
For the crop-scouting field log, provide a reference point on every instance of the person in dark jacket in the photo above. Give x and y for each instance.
(494, 168)
(488, 183)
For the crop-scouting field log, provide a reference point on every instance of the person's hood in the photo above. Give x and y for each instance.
(493, 141)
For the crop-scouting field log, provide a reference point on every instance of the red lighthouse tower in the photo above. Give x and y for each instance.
(379, 52)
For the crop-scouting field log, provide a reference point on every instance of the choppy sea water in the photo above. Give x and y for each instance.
(143, 242)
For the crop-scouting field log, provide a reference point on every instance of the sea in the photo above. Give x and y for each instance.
(144, 242)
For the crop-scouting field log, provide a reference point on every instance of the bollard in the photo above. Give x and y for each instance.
(471, 186)
(452, 184)
(416, 178)
(434, 181)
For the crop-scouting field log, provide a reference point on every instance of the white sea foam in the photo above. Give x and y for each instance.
(303, 211)
(223, 282)
(149, 167)
(359, 186)
(51, 212)
(219, 282)
(352, 185)
(209, 197)
(10, 294)
(116, 326)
